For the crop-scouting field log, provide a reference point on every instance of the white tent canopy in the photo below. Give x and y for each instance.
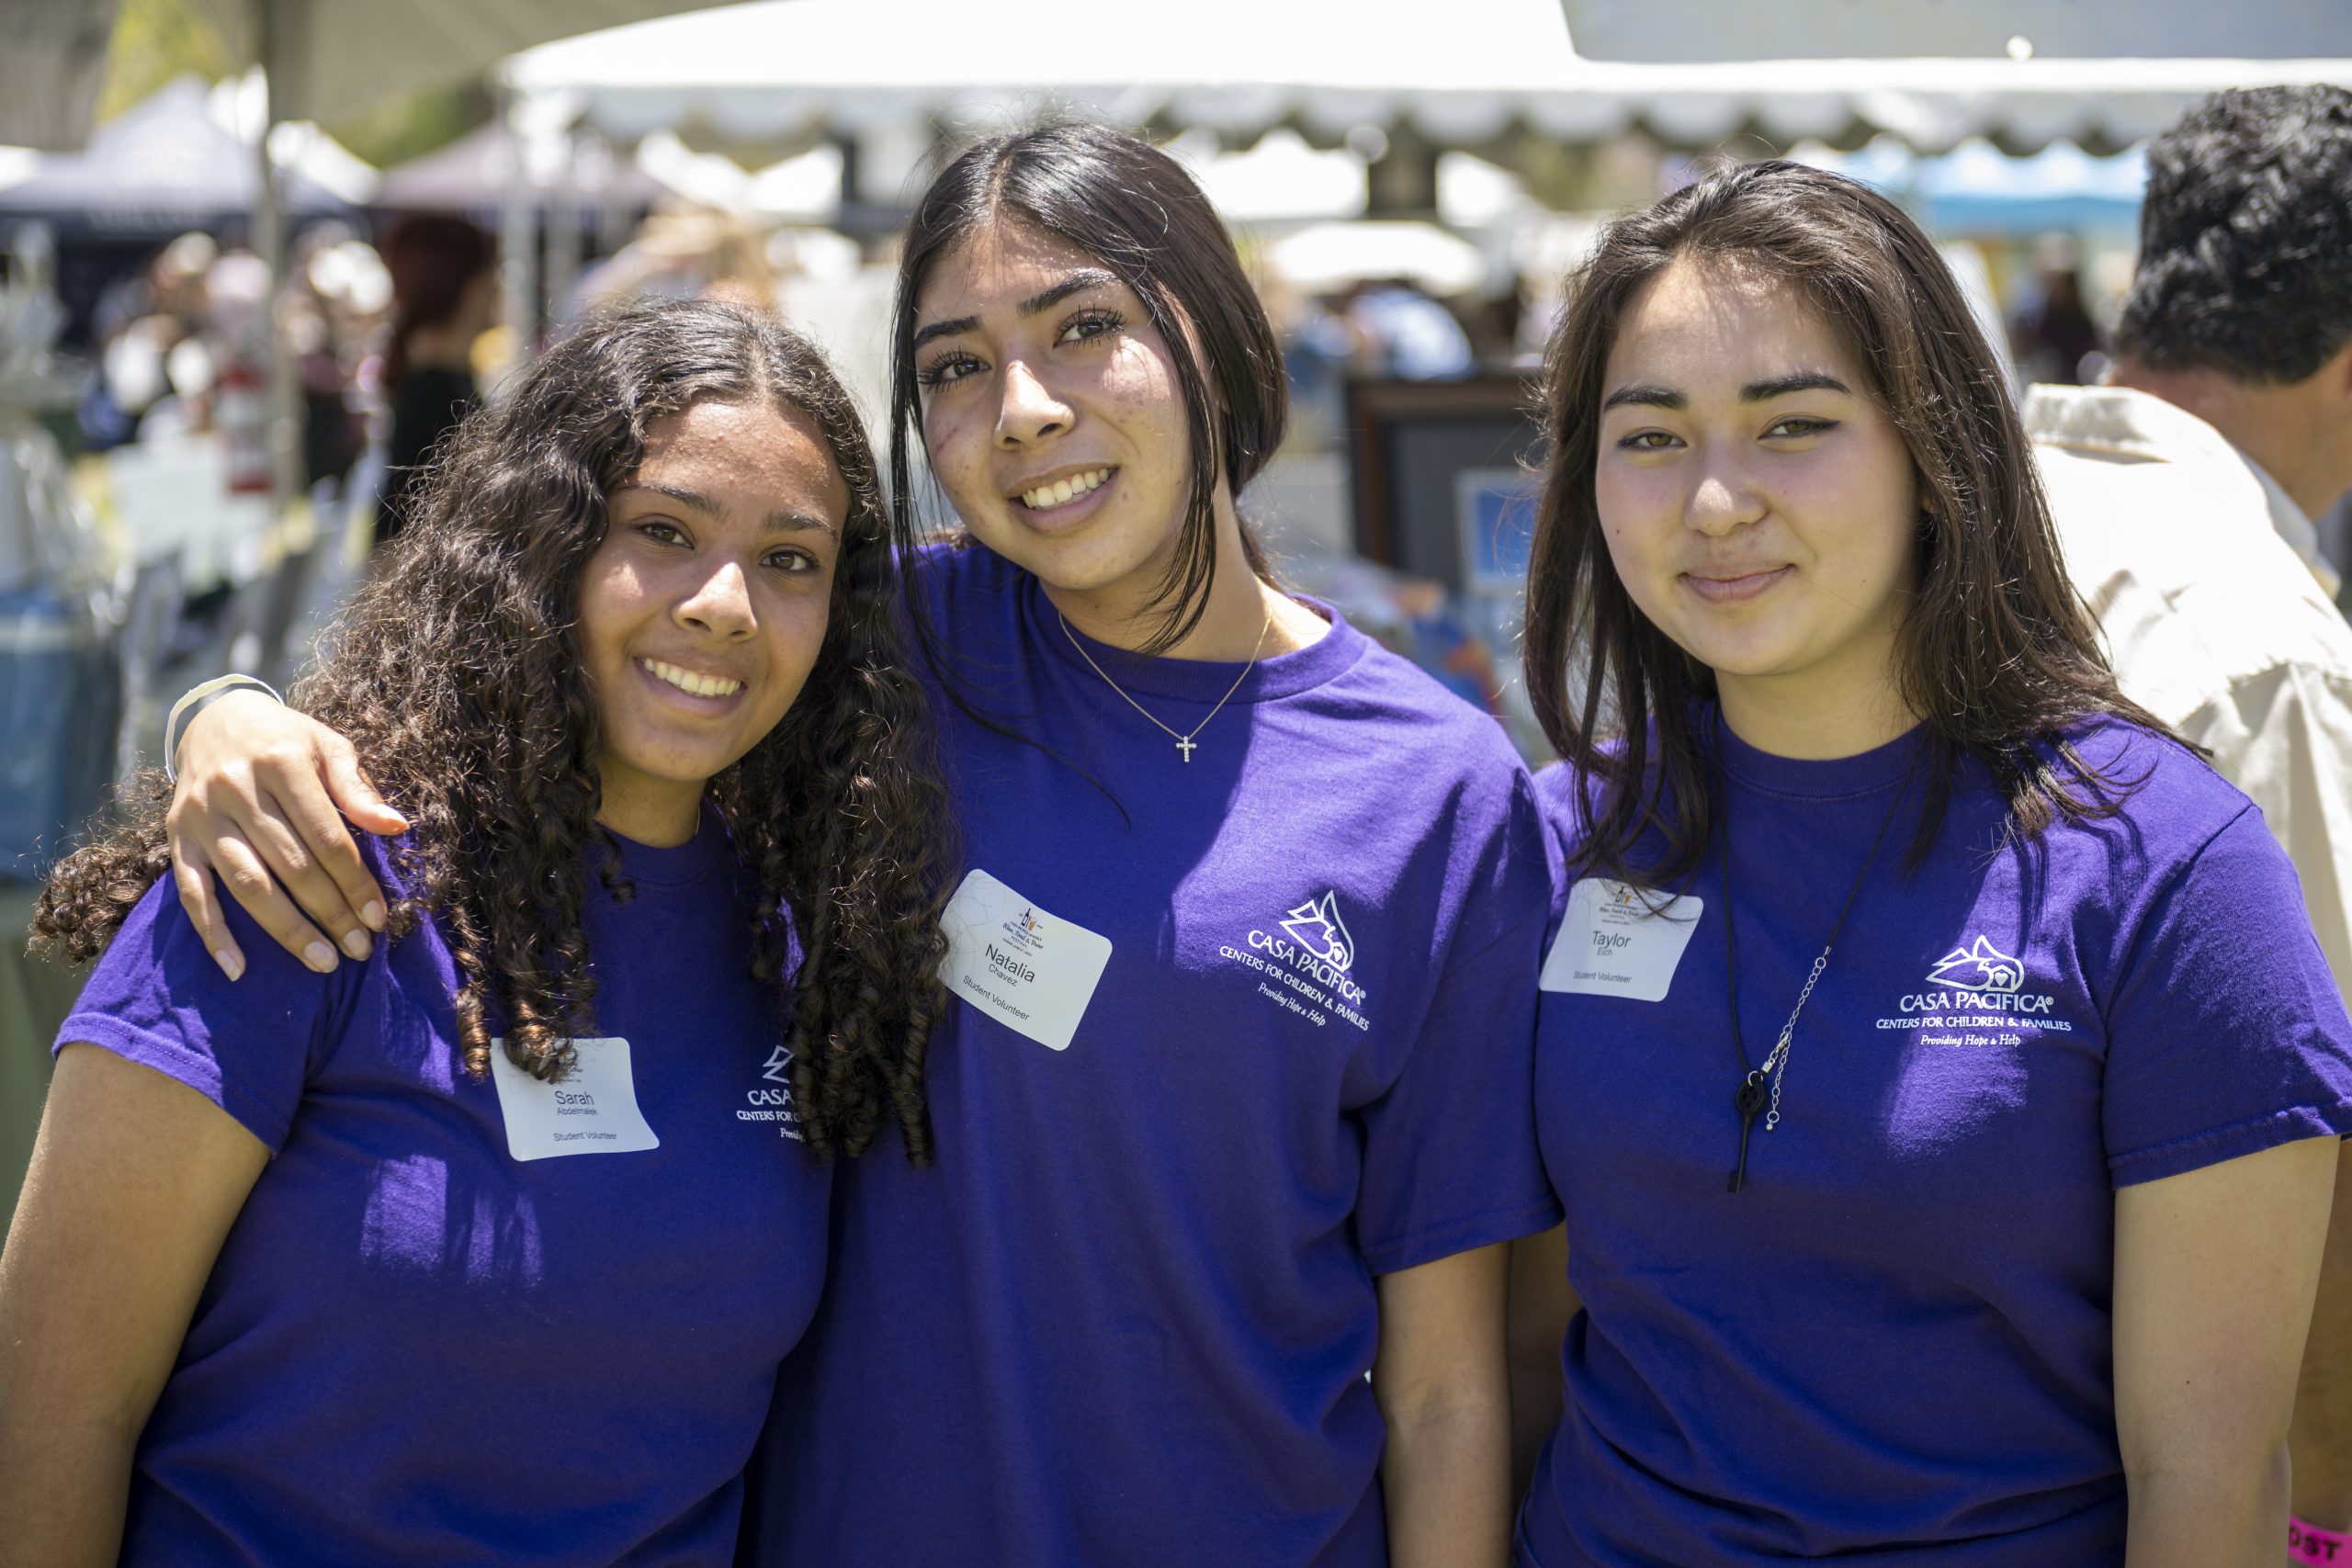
(1710, 30)
(780, 70)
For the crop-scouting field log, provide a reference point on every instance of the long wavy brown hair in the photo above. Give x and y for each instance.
(1996, 654)
(456, 674)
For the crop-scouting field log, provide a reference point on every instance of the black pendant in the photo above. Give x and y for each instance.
(1751, 1099)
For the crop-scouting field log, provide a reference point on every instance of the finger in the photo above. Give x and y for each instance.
(193, 877)
(310, 805)
(356, 795)
(286, 851)
(242, 873)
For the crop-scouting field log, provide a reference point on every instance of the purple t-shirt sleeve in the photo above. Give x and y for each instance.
(249, 1046)
(1450, 1161)
(2226, 1035)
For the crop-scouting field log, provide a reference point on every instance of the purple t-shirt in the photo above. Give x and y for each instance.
(1126, 1316)
(416, 1348)
(1893, 1347)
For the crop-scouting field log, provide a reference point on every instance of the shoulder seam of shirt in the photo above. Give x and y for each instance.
(2130, 952)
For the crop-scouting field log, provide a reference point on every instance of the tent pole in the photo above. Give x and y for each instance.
(518, 241)
(284, 432)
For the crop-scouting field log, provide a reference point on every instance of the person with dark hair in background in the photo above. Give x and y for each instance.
(445, 295)
(2184, 492)
(486, 1248)
(1936, 1068)
(1230, 1122)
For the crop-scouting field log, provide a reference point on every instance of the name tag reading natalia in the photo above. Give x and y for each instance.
(1613, 943)
(1030, 971)
(594, 1111)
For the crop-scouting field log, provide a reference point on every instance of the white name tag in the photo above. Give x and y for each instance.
(1032, 972)
(1612, 945)
(594, 1111)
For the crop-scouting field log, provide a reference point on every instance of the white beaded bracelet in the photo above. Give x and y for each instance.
(211, 688)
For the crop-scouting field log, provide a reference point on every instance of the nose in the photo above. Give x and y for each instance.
(1028, 410)
(719, 604)
(1722, 498)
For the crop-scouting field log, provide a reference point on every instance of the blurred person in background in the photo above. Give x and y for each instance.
(1402, 332)
(445, 295)
(683, 252)
(2184, 492)
(2053, 333)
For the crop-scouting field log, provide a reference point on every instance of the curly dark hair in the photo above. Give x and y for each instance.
(2245, 237)
(1996, 653)
(457, 674)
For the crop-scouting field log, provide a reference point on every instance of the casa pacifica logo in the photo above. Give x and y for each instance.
(770, 1099)
(1023, 938)
(1306, 963)
(1976, 983)
(1317, 927)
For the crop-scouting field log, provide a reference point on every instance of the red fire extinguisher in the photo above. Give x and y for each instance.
(240, 413)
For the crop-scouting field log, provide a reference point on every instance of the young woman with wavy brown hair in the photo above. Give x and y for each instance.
(488, 1247)
(1936, 1065)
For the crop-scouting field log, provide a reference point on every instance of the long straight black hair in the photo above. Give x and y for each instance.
(1136, 209)
(1996, 654)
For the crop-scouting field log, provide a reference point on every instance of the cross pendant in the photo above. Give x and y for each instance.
(1185, 744)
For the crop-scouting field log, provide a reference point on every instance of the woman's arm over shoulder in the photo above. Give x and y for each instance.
(2215, 1271)
(260, 803)
(135, 1180)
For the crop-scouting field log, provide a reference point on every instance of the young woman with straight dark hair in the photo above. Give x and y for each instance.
(1936, 1065)
(487, 1248)
(1234, 1109)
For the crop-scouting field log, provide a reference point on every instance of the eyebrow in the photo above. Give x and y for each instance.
(1077, 282)
(1763, 391)
(777, 521)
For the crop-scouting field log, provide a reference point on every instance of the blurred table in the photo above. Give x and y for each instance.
(170, 495)
(34, 996)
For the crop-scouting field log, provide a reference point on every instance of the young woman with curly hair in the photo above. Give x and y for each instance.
(1233, 1107)
(1936, 1066)
(487, 1248)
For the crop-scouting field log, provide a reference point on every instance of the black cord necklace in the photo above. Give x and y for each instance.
(1760, 1085)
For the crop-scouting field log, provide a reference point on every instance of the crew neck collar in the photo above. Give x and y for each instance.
(680, 863)
(1821, 778)
(1194, 680)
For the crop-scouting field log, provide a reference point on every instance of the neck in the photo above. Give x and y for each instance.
(1813, 720)
(1244, 612)
(2282, 426)
(658, 814)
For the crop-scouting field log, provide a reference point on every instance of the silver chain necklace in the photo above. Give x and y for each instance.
(1759, 1087)
(1184, 743)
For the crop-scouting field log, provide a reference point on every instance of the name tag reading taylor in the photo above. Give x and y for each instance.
(1030, 971)
(1612, 944)
(594, 1111)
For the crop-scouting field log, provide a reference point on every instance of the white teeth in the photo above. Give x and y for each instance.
(687, 680)
(1061, 491)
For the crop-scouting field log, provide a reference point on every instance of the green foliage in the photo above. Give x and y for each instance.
(414, 124)
(153, 42)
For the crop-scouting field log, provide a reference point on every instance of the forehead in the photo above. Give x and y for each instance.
(1697, 324)
(998, 264)
(723, 446)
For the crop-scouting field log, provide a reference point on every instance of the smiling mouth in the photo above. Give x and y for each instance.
(1061, 492)
(1735, 590)
(686, 681)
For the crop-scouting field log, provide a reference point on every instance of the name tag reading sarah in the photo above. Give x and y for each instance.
(1030, 971)
(594, 1111)
(1612, 944)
